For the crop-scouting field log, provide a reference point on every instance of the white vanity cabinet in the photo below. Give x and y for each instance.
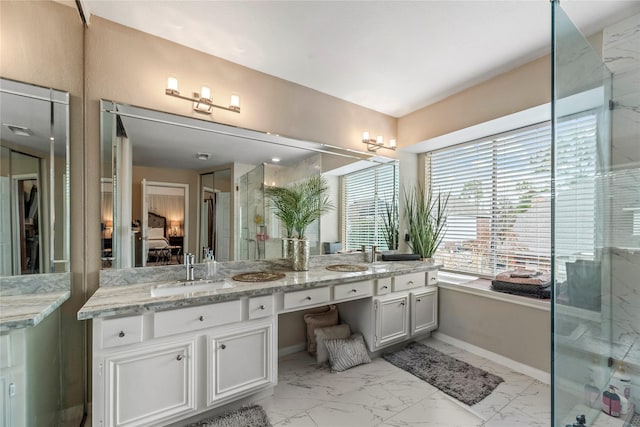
(391, 319)
(159, 368)
(239, 361)
(409, 309)
(424, 310)
(149, 384)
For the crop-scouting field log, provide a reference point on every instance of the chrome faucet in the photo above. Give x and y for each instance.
(189, 260)
(374, 252)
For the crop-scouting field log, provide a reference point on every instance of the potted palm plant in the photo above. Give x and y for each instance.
(426, 221)
(297, 207)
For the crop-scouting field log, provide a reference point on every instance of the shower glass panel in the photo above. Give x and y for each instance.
(251, 214)
(596, 212)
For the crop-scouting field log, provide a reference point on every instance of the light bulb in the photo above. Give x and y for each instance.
(392, 143)
(235, 101)
(379, 140)
(206, 93)
(172, 84)
(365, 136)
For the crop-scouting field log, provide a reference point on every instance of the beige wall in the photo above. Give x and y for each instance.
(515, 331)
(524, 87)
(42, 43)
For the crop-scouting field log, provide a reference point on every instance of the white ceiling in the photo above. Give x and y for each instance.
(391, 56)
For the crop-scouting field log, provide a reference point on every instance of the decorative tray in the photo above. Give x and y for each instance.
(259, 276)
(347, 268)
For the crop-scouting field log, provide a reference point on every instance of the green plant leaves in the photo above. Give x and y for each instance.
(426, 220)
(299, 205)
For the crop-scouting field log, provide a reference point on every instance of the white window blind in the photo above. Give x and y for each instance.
(365, 195)
(578, 189)
(499, 213)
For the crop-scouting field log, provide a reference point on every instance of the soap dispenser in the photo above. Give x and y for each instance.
(211, 264)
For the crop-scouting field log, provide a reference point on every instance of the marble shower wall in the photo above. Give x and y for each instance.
(621, 53)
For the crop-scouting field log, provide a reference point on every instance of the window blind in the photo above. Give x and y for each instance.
(499, 213)
(366, 194)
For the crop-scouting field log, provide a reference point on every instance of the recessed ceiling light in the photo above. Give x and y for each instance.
(203, 156)
(19, 130)
(275, 159)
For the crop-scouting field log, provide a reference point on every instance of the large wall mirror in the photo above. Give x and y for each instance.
(34, 179)
(173, 184)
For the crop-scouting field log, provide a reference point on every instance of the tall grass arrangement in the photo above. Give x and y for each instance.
(391, 224)
(426, 220)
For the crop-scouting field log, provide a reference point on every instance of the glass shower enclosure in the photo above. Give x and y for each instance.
(596, 222)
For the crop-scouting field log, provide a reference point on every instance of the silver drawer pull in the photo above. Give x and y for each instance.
(354, 290)
(385, 287)
(201, 318)
(179, 358)
(402, 303)
(223, 346)
(121, 334)
(262, 307)
(308, 298)
(418, 300)
(410, 282)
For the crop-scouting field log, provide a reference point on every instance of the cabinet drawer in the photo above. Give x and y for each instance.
(408, 281)
(306, 297)
(260, 307)
(383, 286)
(352, 290)
(121, 331)
(193, 318)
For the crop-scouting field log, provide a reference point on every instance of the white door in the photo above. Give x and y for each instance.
(223, 226)
(239, 363)
(144, 224)
(150, 385)
(5, 227)
(392, 319)
(424, 311)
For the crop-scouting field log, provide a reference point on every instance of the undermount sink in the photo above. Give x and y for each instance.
(187, 287)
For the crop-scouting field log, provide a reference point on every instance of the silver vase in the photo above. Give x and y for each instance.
(287, 248)
(300, 259)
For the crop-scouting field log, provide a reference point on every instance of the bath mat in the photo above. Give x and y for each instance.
(458, 379)
(247, 416)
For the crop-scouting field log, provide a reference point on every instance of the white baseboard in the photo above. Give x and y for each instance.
(538, 374)
(292, 349)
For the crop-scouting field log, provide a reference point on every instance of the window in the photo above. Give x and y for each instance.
(366, 195)
(500, 197)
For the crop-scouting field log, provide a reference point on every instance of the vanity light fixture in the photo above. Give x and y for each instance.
(275, 159)
(202, 101)
(378, 143)
(203, 156)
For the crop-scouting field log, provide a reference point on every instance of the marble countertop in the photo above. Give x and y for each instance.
(27, 300)
(117, 299)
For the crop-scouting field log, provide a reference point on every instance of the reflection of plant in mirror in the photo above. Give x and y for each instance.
(391, 224)
(426, 219)
(301, 204)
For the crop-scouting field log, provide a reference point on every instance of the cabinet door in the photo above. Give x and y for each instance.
(239, 362)
(150, 384)
(392, 319)
(424, 311)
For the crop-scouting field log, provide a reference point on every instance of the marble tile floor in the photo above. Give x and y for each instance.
(381, 394)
